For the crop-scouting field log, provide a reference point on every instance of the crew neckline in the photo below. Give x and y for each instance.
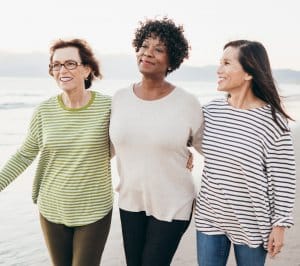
(266, 106)
(62, 105)
(156, 100)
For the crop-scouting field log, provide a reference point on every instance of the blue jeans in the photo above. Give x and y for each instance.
(213, 250)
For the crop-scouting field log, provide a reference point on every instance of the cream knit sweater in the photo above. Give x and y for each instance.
(150, 141)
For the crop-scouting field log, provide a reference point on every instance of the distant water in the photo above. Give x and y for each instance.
(19, 96)
(28, 92)
(22, 93)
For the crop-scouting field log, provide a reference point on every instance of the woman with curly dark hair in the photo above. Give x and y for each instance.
(151, 123)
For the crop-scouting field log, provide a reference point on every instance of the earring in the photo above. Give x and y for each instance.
(169, 68)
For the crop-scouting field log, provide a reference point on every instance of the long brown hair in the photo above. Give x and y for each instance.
(255, 61)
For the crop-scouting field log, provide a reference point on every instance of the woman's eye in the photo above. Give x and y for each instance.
(70, 64)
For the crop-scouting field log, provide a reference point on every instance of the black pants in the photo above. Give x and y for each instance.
(148, 241)
(76, 246)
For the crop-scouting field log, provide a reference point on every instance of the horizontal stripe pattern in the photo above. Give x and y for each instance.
(248, 180)
(72, 185)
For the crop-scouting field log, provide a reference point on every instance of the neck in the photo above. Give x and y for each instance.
(76, 99)
(245, 100)
(152, 89)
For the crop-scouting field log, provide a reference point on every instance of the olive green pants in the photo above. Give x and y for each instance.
(76, 246)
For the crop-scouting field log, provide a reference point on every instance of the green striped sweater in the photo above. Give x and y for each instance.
(72, 184)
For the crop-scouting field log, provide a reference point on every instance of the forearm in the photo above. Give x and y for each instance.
(13, 168)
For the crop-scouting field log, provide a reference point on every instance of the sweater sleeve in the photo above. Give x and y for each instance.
(111, 149)
(198, 128)
(24, 156)
(281, 174)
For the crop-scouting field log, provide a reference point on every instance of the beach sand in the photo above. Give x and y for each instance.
(22, 244)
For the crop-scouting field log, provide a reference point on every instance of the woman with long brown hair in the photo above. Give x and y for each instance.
(248, 181)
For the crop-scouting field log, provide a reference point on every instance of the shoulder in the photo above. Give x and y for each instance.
(102, 100)
(187, 97)
(102, 97)
(122, 93)
(47, 103)
(216, 102)
(283, 122)
(51, 100)
(44, 107)
(278, 127)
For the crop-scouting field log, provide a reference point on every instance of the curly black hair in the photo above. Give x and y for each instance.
(171, 35)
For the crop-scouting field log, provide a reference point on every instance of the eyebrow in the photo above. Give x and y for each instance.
(158, 44)
(75, 60)
(225, 59)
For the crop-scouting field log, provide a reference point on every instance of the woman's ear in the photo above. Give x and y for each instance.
(248, 77)
(87, 71)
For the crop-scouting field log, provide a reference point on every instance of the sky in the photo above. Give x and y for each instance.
(32, 25)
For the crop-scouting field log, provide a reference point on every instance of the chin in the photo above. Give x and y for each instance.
(222, 88)
(66, 87)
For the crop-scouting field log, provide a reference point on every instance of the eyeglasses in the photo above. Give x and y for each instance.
(69, 64)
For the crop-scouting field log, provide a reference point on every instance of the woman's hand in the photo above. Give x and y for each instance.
(189, 163)
(276, 240)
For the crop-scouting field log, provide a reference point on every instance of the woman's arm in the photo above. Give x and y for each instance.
(23, 157)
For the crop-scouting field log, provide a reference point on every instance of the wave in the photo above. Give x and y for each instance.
(20, 94)
(16, 105)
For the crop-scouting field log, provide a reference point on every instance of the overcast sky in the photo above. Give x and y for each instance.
(31, 25)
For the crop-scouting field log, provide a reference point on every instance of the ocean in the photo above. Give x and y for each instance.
(19, 96)
(21, 241)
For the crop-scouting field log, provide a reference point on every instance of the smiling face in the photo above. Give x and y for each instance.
(152, 57)
(67, 79)
(231, 75)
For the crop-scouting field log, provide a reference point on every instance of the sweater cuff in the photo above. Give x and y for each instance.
(286, 221)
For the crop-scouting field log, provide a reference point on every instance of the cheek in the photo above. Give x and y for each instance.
(239, 76)
(55, 75)
(87, 73)
(138, 57)
(139, 52)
